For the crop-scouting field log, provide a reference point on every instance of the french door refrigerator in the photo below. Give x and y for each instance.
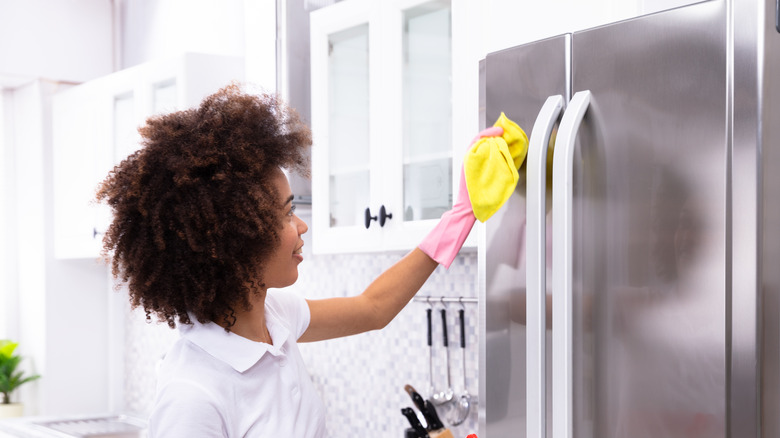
(628, 288)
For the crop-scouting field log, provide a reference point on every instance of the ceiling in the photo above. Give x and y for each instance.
(11, 81)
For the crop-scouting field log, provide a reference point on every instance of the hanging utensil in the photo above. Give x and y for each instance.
(448, 394)
(463, 408)
(429, 311)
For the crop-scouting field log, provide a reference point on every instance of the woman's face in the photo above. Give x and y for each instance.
(281, 268)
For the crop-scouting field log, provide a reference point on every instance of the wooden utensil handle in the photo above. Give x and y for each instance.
(441, 433)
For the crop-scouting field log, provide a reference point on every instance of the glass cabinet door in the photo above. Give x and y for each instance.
(348, 126)
(427, 111)
(383, 121)
(344, 68)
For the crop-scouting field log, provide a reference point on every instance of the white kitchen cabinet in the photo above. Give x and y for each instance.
(95, 126)
(394, 99)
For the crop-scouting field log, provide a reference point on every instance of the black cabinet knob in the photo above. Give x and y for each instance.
(382, 218)
(368, 217)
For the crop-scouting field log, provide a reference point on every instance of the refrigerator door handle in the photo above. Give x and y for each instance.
(536, 261)
(563, 176)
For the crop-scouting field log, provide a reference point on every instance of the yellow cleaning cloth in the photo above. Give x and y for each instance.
(491, 165)
(515, 139)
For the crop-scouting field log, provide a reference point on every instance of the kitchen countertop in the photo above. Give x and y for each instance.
(106, 425)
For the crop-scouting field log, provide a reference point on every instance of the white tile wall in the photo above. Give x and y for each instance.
(361, 378)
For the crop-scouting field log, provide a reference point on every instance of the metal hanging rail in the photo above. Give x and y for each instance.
(429, 299)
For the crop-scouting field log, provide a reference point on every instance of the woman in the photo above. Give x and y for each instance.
(205, 234)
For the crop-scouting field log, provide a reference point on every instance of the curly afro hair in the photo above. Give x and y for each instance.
(194, 210)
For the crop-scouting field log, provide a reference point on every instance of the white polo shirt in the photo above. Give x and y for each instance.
(213, 383)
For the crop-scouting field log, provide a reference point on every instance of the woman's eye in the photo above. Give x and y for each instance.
(292, 210)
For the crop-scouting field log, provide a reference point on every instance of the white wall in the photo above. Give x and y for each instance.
(155, 29)
(25, 216)
(65, 40)
(5, 314)
(507, 23)
(44, 45)
(159, 29)
(54, 309)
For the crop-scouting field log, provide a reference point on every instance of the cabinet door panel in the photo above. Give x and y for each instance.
(73, 137)
(343, 62)
(427, 110)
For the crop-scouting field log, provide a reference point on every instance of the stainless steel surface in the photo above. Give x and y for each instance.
(536, 267)
(518, 80)
(744, 239)
(480, 231)
(649, 215)
(768, 95)
(566, 154)
(676, 231)
(649, 272)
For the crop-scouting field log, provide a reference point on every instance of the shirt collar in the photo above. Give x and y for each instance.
(237, 351)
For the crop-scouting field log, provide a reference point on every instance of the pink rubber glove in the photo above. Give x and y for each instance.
(445, 240)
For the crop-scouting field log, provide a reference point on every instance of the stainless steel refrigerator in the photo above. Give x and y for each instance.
(629, 286)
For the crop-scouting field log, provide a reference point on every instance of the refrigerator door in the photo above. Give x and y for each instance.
(518, 82)
(648, 229)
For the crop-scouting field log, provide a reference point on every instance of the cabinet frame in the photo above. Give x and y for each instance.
(385, 23)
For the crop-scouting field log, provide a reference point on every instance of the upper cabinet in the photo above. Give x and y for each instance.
(95, 126)
(394, 103)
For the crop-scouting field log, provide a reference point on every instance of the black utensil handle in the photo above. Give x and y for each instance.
(416, 397)
(413, 421)
(418, 401)
(430, 330)
(432, 417)
(462, 328)
(444, 327)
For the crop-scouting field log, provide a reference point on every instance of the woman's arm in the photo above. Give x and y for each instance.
(391, 291)
(376, 306)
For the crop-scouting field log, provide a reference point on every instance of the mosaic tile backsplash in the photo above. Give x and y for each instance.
(360, 378)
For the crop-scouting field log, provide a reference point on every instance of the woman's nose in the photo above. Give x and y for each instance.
(302, 227)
